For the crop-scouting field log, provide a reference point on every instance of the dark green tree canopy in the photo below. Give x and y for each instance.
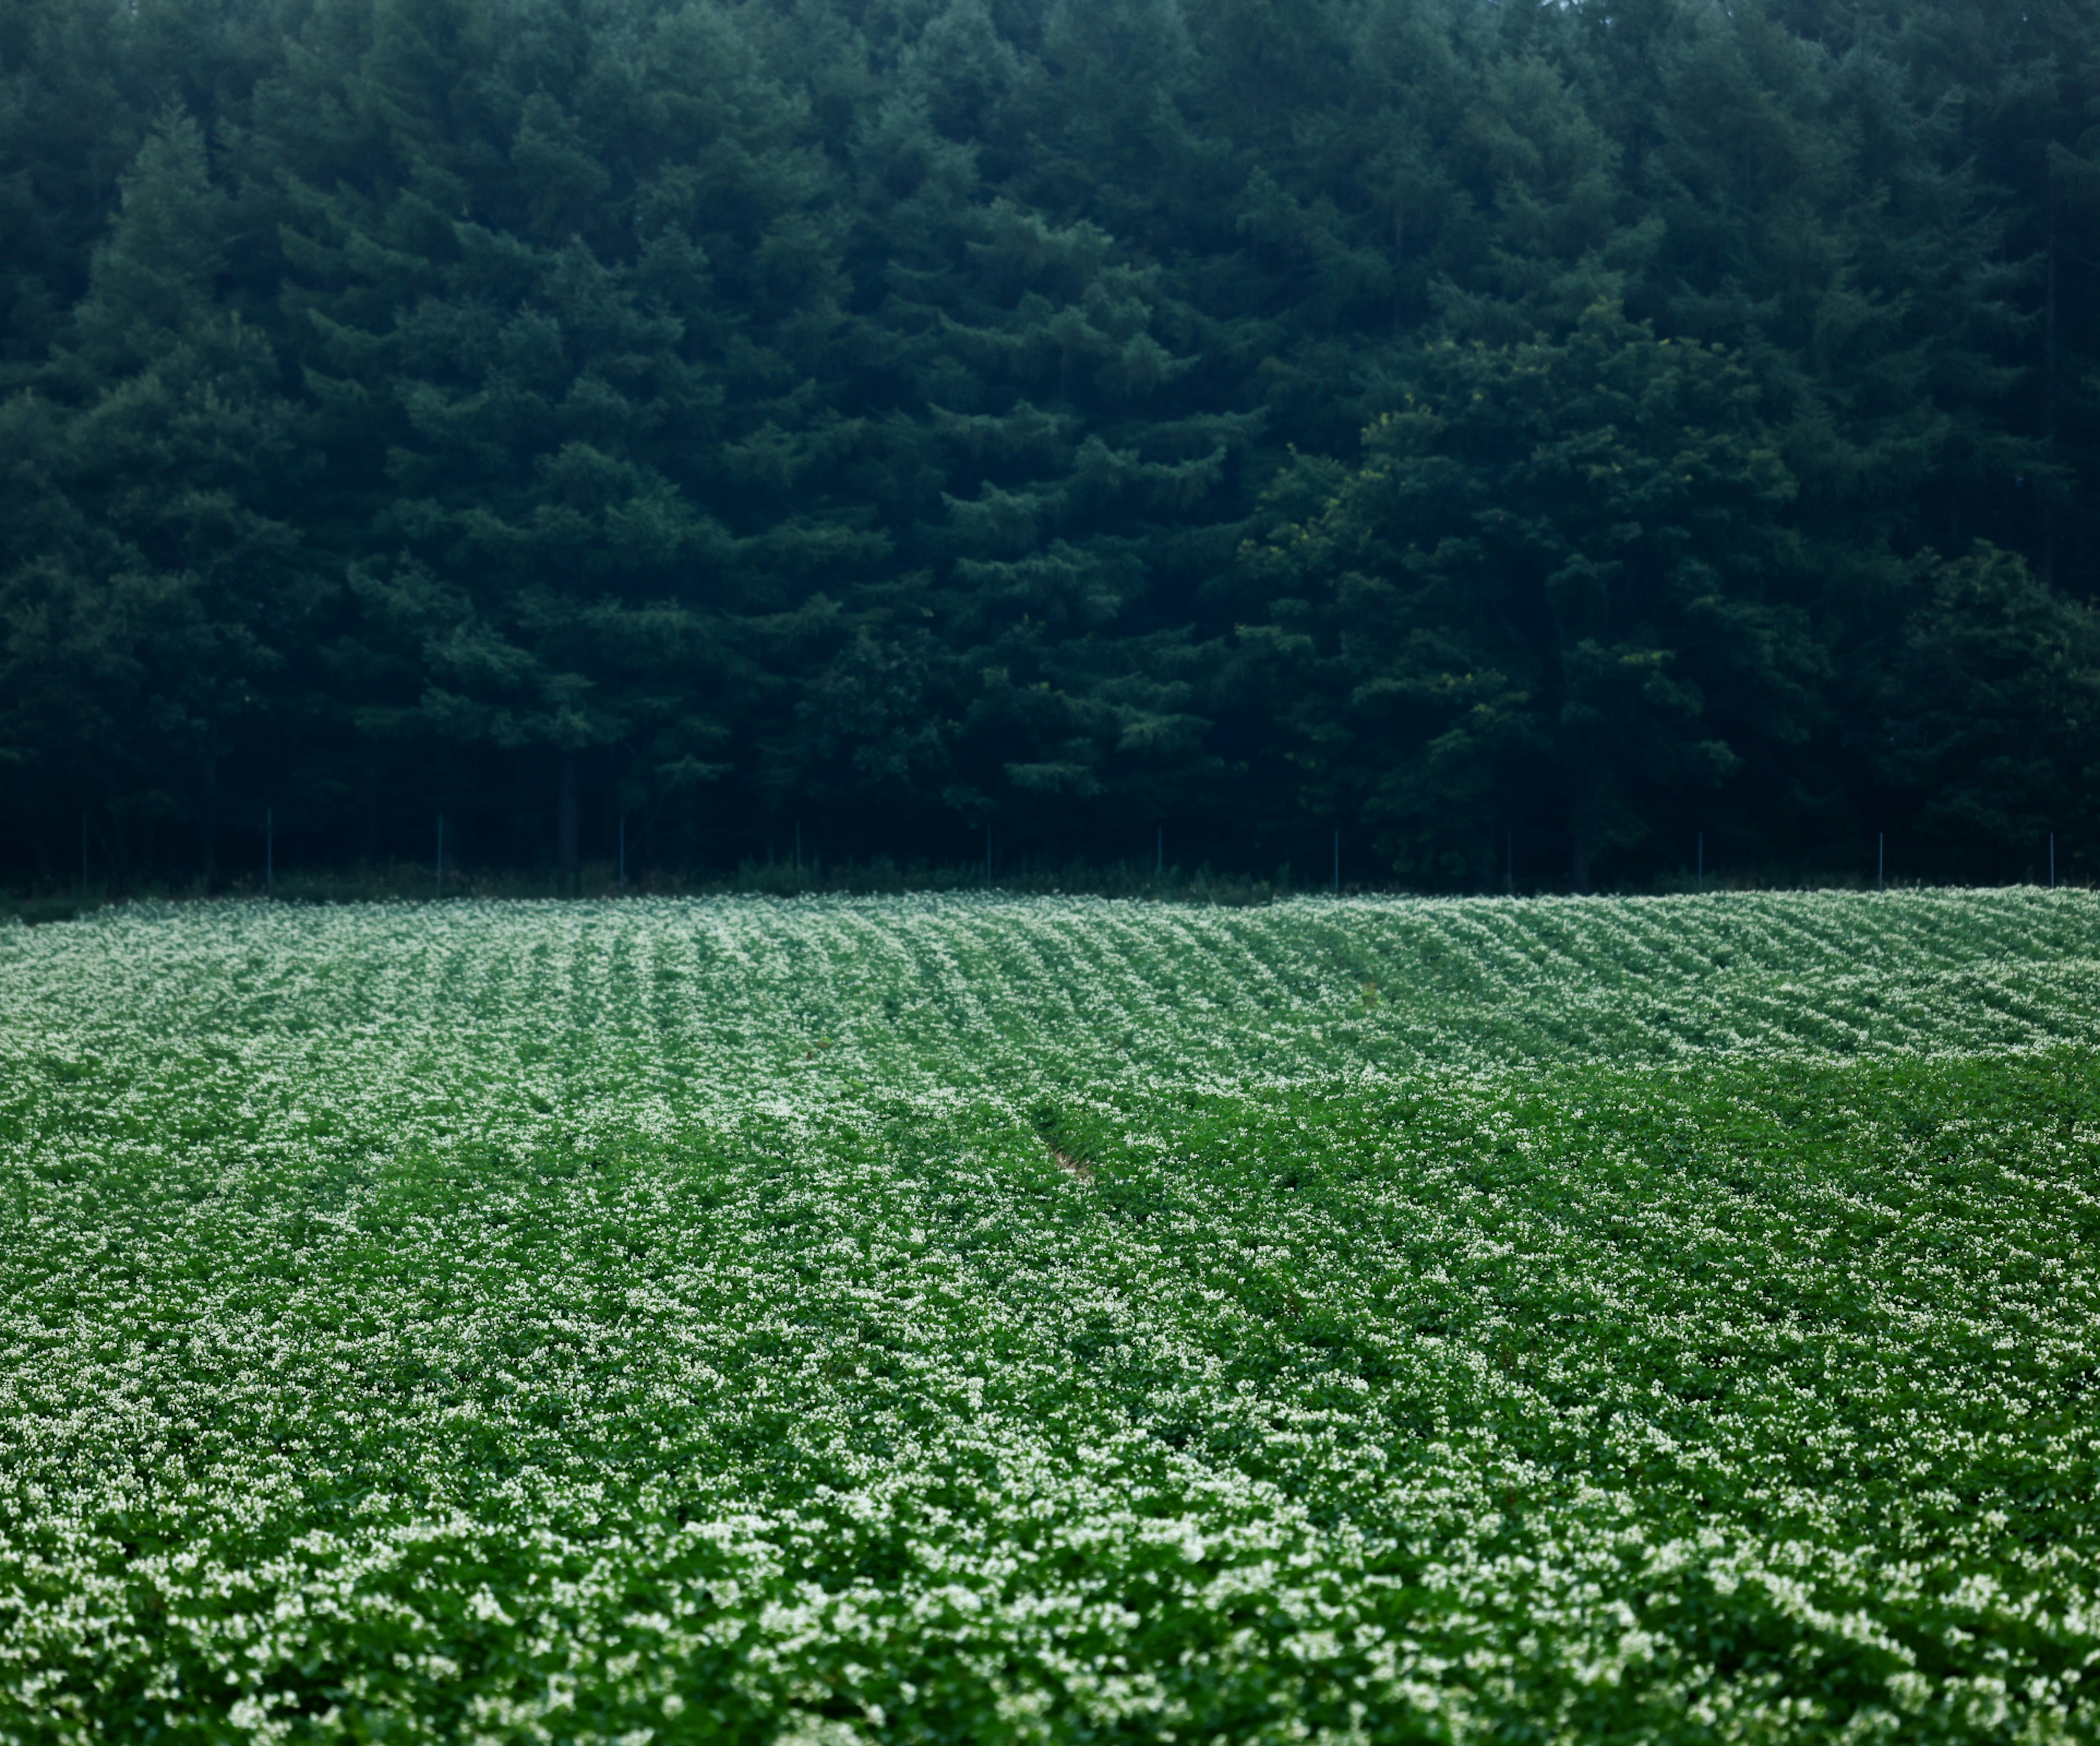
(1519, 437)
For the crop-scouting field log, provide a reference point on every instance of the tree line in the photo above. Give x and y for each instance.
(1525, 437)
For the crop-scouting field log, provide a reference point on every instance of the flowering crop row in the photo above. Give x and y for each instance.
(985, 1320)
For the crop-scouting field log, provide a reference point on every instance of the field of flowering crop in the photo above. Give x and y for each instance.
(985, 1320)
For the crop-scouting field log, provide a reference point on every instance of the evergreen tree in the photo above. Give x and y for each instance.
(1555, 594)
(564, 327)
(82, 83)
(1065, 483)
(155, 586)
(1990, 738)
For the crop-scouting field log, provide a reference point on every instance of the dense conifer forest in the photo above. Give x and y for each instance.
(1523, 438)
